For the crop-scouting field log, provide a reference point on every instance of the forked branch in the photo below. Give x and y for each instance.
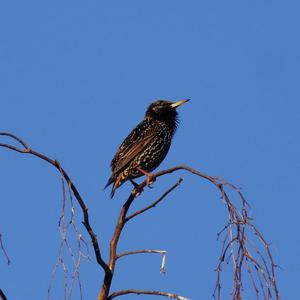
(27, 150)
(155, 202)
(3, 250)
(236, 244)
(249, 253)
(122, 220)
(142, 292)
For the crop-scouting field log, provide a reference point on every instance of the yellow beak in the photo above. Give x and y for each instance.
(178, 103)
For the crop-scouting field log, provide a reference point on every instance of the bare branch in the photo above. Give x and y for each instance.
(113, 249)
(236, 244)
(2, 295)
(117, 233)
(237, 225)
(155, 202)
(140, 251)
(161, 252)
(142, 292)
(214, 179)
(77, 195)
(15, 138)
(3, 250)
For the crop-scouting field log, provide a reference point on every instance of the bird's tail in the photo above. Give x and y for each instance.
(109, 182)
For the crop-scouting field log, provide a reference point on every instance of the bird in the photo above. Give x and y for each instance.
(147, 145)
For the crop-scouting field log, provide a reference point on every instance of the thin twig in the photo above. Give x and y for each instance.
(122, 220)
(15, 138)
(155, 202)
(142, 292)
(161, 252)
(140, 251)
(83, 206)
(2, 295)
(236, 239)
(3, 250)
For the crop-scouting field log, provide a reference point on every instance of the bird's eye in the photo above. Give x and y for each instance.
(157, 109)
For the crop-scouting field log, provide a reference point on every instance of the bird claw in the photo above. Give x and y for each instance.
(150, 177)
(150, 180)
(137, 191)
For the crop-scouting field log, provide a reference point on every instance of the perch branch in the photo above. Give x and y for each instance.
(155, 202)
(161, 252)
(236, 244)
(142, 292)
(83, 206)
(122, 219)
(238, 223)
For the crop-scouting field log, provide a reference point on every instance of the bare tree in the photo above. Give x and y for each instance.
(243, 244)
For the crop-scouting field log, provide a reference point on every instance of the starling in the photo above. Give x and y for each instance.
(147, 145)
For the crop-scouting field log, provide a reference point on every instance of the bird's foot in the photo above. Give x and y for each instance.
(150, 180)
(150, 177)
(137, 191)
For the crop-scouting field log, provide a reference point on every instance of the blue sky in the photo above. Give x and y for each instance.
(77, 76)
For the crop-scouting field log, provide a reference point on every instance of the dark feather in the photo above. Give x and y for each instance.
(146, 146)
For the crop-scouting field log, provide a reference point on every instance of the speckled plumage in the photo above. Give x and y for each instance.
(147, 145)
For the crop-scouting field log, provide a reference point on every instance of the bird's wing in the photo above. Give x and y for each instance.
(134, 144)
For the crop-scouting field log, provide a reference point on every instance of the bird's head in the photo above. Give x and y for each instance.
(164, 110)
